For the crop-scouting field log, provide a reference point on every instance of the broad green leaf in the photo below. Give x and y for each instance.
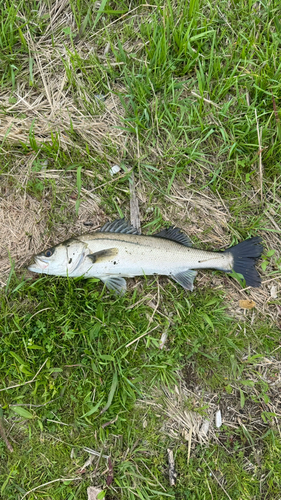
(100, 11)
(18, 358)
(35, 346)
(249, 383)
(242, 398)
(112, 392)
(106, 357)
(93, 410)
(101, 495)
(22, 412)
(23, 369)
(208, 320)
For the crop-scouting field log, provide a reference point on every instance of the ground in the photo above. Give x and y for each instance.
(163, 113)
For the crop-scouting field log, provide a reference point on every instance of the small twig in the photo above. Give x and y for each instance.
(272, 279)
(57, 422)
(189, 444)
(259, 132)
(106, 424)
(98, 462)
(96, 453)
(134, 204)
(109, 478)
(205, 100)
(226, 21)
(121, 17)
(72, 366)
(41, 310)
(28, 382)
(143, 335)
(51, 482)
(4, 437)
(156, 307)
(33, 406)
(154, 477)
(214, 475)
(209, 489)
(172, 472)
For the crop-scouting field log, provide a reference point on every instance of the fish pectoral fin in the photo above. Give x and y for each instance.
(103, 255)
(185, 279)
(116, 284)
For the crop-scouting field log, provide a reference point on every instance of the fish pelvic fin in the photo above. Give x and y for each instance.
(115, 284)
(245, 255)
(103, 255)
(185, 279)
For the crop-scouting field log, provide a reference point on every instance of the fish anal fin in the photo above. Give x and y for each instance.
(185, 279)
(115, 284)
(103, 255)
(174, 234)
(119, 226)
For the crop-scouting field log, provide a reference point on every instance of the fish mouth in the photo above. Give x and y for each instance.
(39, 265)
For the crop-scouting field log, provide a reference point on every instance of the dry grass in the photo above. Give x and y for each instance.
(185, 420)
(36, 113)
(44, 103)
(22, 225)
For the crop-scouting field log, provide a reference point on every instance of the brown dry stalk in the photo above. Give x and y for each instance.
(28, 382)
(4, 436)
(259, 132)
(61, 479)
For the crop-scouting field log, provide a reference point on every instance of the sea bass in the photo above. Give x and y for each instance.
(117, 251)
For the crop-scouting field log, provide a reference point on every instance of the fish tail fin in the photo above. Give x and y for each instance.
(245, 255)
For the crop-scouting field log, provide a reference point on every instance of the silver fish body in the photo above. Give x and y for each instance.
(117, 251)
(136, 255)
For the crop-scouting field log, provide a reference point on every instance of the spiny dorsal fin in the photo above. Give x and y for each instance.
(174, 234)
(119, 226)
(103, 255)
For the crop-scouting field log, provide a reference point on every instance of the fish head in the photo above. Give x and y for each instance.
(60, 260)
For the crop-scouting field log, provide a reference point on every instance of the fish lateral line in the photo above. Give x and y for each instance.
(210, 258)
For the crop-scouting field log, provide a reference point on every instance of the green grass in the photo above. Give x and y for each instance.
(86, 392)
(191, 85)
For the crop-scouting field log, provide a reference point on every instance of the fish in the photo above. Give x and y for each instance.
(117, 251)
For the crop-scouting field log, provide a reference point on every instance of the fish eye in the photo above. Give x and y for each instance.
(49, 252)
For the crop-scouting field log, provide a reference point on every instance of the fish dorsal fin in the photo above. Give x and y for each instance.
(119, 226)
(185, 279)
(115, 283)
(174, 234)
